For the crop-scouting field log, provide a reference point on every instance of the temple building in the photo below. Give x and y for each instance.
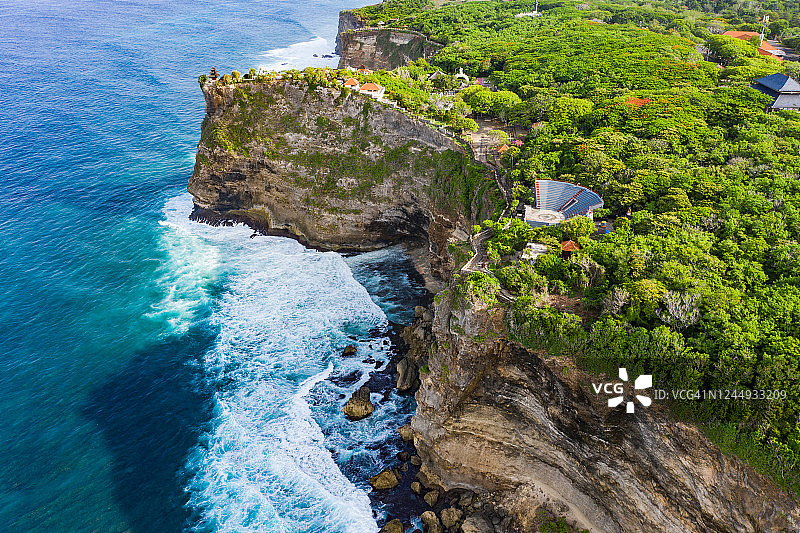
(784, 90)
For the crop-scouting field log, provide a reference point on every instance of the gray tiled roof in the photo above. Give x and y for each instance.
(787, 101)
(780, 83)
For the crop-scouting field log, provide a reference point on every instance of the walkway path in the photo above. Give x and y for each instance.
(480, 258)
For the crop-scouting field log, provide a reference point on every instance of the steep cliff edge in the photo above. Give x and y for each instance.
(383, 48)
(527, 434)
(335, 169)
(348, 20)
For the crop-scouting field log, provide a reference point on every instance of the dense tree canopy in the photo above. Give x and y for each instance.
(700, 283)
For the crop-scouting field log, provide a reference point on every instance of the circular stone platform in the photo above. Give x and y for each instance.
(544, 217)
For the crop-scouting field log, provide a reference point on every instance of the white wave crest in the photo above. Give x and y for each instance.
(283, 316)
(301, 55)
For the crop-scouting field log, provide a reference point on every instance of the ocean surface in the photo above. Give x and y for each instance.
(157, 374)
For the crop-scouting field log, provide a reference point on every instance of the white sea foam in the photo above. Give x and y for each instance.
(188, 275)
(300, 56)
(283, 316)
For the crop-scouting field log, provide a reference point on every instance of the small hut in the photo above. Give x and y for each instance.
(567, 247)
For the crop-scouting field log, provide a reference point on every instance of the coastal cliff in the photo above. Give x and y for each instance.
(348, 20)
(335, 169)
(378, 48)
(505, 436)
(526, 434)
(383, 48)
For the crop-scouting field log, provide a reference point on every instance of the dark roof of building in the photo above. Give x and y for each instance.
(787, 101)
(780, 83)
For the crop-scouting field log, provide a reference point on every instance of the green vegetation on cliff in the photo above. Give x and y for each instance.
(700, 285)
(299, 139)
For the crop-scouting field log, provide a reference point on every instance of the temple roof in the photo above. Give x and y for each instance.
(780, 83)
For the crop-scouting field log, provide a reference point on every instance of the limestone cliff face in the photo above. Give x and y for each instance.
(335, 169)
(493, 418)
(378, 48)
(348, 20)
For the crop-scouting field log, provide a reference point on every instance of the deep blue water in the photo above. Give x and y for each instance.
(156, 373)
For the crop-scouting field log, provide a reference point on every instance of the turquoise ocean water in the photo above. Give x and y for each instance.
(158, 374)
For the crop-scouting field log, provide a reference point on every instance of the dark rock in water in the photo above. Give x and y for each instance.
(315, 55)
(349, 350)
(385, 480)
(403, 456)
(359, 405)
(378, 364)
(395, 526)
(346, 379)
(407, 376)
(430, 523)
(327, 56)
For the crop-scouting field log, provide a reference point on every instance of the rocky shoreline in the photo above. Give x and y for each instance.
(503, 439)
(406, 492)
(406, 495)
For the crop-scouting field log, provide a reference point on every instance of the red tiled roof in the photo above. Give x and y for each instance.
(503, 149)
(570, 246)
(742, 34)
(371, 87)
(764, 49)
(351, 81)
(637, 102)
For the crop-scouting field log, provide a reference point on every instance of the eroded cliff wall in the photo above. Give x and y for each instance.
(527, 434)
(336, 169)
(348, 20)
(378, 48)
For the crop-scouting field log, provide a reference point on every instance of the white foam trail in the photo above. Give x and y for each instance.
(186, 278)
(283, 317)
(300, 55)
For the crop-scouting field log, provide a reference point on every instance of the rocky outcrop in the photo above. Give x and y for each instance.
(334, 169)
(382, 48)
(387, 479)
(493, 418)
(394, 526)
(348, 20)
(359, 405)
